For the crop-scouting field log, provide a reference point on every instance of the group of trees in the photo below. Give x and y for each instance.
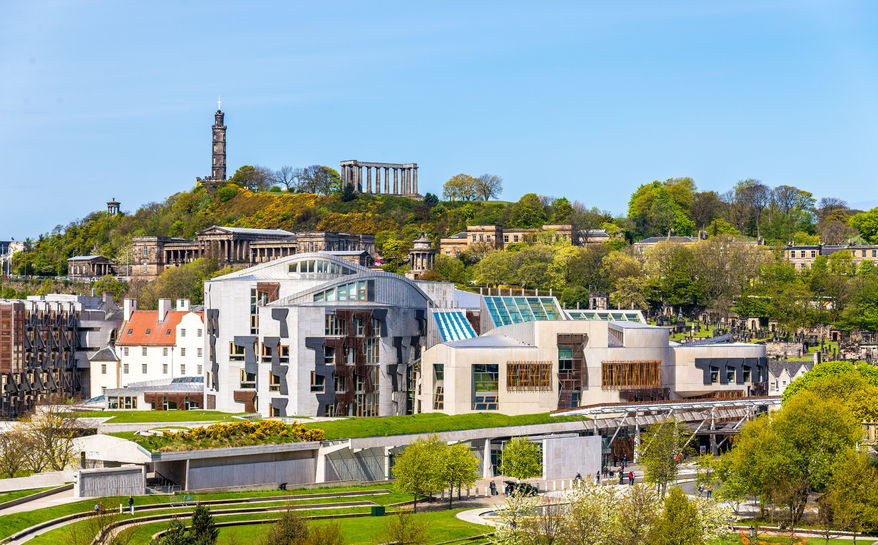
(464, 187)
(592, 514)
(318, 179)
(428, 465)
(201, 531)
(806, 450)
(40, 441)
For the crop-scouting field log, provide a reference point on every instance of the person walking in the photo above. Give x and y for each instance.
(597, 477)
(631, 478)
(621, 478)
(131, 504)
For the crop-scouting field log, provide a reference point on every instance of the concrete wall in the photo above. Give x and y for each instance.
(564, 457)
(121, 481)
(279, 467)
(364, 465)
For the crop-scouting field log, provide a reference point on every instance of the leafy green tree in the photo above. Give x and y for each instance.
(630, 293)
(679, 523)
(867, 224)
(108, 284)
(460, 468)
(660, 446)
(461, 187)
(290, 529)
(560, 211)
(419, 469)
(450, 269)
(853, 494)
(174, 535)
(527, 213)
(348, 193)
(522, 459)
(404, 529)
(203, 530)
(494, 269)
(320, 180)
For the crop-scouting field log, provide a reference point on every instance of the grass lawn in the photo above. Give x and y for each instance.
(428, 422)
(137, 417)
(15, 494)
(441, 526)
(10, 524)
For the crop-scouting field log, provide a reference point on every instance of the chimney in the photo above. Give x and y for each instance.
(108, 298)
(183, 304)
(164, 307)
(128, 306)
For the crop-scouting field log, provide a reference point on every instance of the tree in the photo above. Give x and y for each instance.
(348, 193)
(203, 530)
(460, 469)
(174, 535)
(50, 433)
(494, 269)
(288, 176)
(488, 186)
(431, 200)
(679, 523)
(522, 459)
(290, 529)
(14, 446)
(450, 269)
(461, 187)
(254, 178)
(527, 213)
(660, 446)
(636, 516)
(630, 293)
(319, 179)
(419, 469)
(404, 529)
(853, 494)
(867, 224)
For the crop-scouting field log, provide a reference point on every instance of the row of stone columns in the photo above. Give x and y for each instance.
(422, 261)
(405, 179)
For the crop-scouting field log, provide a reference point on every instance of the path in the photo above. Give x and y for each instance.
(65, 496)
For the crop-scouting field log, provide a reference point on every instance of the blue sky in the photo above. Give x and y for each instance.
(581, 99)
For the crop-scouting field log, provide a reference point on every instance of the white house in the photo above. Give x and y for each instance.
(782, 373)
(158, 344)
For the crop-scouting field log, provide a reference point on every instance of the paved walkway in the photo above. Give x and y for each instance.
(60, 498)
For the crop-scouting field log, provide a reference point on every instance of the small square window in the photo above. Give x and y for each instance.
(148, 331)
(182, 368)
(168, 332)
(164, 368)
(143, 368)
(143, 351)
(182, 332)
(103, 368)
(200, 369)
(125, 369)
(182, 351)
(130, 331)
(199, 333)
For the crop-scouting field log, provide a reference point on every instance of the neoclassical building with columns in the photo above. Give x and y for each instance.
(359, 174)
(238, 246)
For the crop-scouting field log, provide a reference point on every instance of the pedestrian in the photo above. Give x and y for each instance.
(578, 477)
(597, 477)
(625, 459)
(493, 487)
(621, 478)
(131, 504)
(631, 477)
(96, 509)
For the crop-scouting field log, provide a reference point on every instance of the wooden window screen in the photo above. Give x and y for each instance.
(528, 376)
(631, 374)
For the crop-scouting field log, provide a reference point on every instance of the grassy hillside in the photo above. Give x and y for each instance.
(187, 212)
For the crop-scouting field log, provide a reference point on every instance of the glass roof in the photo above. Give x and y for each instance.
(607, 315)
(453, 325)
(505, 310)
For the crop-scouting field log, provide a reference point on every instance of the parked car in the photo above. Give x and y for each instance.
(526, 489)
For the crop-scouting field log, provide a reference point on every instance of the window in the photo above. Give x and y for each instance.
(730, 374)
(438, 386)
(813, 253)
(164, 368)
(257, 299)
(182, 332)
(182, 368)
(164, 352)
(199, 333)
(748, 376)
(714, 374)
(565, 359)
(125, 350)
(236, 353)
(474, 238)
(329, 355)
(168, 332)
(125, 369)
(333, 326)
(631, 374)
(528, 376)
(143, 368)
(505, 238)
(365, 405)
(248, 380)
(485, 386)
(339, 383)
(371, 349)
(362, 290)
(143, 351)
(284, 353)
(200, 352)
(200, 369)
(148, 331)
(376, 327)
(318, 382)
(481, 238)
(182, 351)
(802, 253)
(514, 238)
(273, 382)
(103, 368)
(359, 327)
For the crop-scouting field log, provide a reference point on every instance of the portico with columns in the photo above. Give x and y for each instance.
(359, 175)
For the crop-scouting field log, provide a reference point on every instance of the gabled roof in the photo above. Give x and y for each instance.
(134, 331)
(105, 354)
(249, 231)
(85, 257)
(776, 367)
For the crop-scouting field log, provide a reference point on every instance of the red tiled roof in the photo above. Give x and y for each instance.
(134, 331)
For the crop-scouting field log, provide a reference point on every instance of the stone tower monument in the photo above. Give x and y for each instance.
(421, 257)
(218, 151)
(218, 169)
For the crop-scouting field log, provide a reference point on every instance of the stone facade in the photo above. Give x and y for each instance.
(498, 238)
(404, 183)
(802, 256)
(86, 267)
(241, 247)
(421, 257)
(218, 151)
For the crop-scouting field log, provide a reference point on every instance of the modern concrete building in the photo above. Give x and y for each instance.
(315, 335)
(45, 346)
(533, 357)
(153, 345)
